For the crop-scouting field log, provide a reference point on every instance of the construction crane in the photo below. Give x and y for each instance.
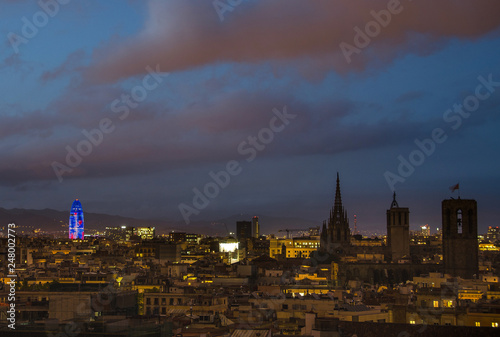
(228, 233)
(290, 230)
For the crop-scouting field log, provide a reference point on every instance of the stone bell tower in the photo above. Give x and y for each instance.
(460, 246)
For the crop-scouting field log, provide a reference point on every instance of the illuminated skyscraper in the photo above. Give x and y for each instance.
(76, 221)
(255, 226)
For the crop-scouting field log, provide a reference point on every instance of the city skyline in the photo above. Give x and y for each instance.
(274, 225)
(138, 108)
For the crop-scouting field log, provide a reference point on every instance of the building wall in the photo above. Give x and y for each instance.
(398, 232)
(460, 246)
(384, 272)
(295, 248)
(366, 329)
(161, 303)
(255, 227)
(243, 230)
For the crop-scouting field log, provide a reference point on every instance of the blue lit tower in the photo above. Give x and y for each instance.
(76, 221)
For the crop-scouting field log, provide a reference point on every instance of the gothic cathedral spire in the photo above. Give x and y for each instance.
(338, 232)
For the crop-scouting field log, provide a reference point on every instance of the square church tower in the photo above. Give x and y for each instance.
(460, 246)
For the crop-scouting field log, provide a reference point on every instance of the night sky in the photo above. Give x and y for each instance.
(130, 105)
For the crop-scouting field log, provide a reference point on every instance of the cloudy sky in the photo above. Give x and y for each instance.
(204, 109)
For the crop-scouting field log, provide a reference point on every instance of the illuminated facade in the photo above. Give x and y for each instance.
(230, 247)
(426, 230)
(76, 221)
(146, 233)
(122, 233)
(301, 247)
(493, 234)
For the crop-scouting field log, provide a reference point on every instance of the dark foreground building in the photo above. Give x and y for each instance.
(460, 246)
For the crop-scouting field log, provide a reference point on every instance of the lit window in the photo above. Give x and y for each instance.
(436, 304)
(478, 323)
(494, 324)
(448, 304)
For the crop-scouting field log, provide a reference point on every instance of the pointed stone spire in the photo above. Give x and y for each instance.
(338, 222)
(338, 197)
(324, 231)
(394, 202)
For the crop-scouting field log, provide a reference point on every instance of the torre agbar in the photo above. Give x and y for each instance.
(76, 221)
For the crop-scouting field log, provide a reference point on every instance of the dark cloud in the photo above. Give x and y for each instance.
(225, 80)
(73, 63)
(179, 35)
(25, 124)
(15, 62)
(157, 139)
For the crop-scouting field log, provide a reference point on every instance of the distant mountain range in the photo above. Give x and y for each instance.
(52, 220)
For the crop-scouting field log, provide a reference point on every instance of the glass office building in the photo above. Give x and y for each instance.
(76, 221)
